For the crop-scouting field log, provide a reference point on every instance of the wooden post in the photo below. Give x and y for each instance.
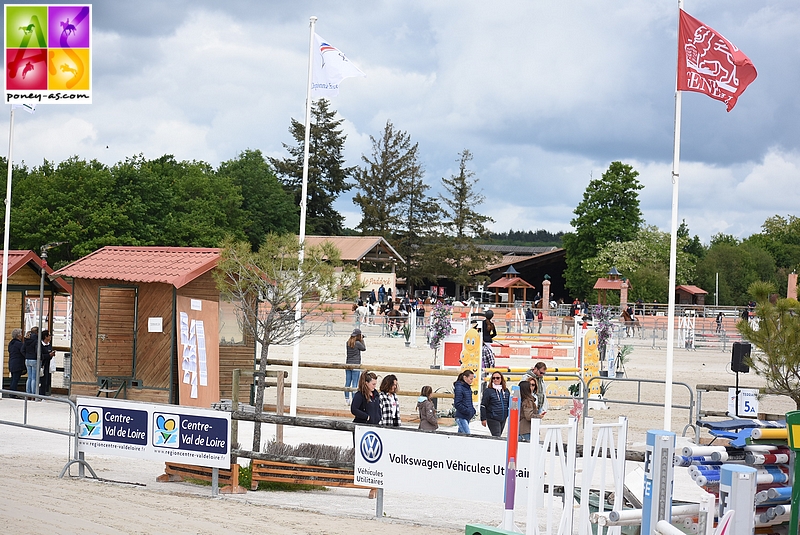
(234, 408)
(279, 407)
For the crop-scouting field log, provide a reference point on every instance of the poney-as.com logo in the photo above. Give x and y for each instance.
(91, 424)
(166, 433)
(371, 447)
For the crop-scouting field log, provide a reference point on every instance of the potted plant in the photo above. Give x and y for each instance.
(622, 358)
(407, 333)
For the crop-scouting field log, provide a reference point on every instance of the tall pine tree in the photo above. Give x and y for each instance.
(327, 173)
(457, 251)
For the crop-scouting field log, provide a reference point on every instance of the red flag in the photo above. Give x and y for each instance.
(708, 63)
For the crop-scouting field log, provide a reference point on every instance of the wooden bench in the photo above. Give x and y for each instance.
(174, 472)
(302, 475)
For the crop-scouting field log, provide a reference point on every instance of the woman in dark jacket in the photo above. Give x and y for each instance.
(16, 358)
(494, 405)
(462, 400)
(366, 406)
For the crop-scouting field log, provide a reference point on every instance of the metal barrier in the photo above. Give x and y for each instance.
(639, 401)
(77, 456)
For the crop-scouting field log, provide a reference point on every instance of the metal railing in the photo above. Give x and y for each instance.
(77, 456)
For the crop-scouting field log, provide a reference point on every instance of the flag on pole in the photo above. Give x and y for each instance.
(708, 63)
(330, 67)
(30, 108)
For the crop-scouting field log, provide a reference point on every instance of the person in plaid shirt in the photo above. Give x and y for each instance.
(390, 405)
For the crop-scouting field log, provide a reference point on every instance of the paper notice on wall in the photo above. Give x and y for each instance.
(201, 353)
(189, 352)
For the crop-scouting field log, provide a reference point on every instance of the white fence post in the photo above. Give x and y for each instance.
(550, 465)
(600, 457)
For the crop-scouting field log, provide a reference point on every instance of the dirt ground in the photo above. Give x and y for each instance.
(129, 500)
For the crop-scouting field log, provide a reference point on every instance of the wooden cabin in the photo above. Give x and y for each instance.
(149, 325)
(22, 301)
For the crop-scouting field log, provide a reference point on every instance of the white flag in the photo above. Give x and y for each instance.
(330, 66)
(30, 108)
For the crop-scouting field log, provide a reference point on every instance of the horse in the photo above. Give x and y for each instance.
(27, 29)
(364, 313)
(396, 319)
(66, 68)
(567, 323)
(631, 324)
(67, 27)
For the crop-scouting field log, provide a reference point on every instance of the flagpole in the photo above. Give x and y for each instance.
(298, 310)
(6, 238)
(673, 250)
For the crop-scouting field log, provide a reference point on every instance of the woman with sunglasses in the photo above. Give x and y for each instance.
(527, 409)
(494, 405)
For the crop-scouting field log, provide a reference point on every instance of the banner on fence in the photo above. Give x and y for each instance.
(168, 433)
(451, 466)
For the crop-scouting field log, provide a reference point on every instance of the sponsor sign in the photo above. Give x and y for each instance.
(748, 402)
(450, 466)
(185, 435)
(48, 54)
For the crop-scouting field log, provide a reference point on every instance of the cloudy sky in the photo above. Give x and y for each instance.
(545, 95)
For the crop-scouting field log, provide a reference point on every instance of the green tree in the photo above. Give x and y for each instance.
(327, 174)
(609, 212)
(693, 245)
(394, 201)
(393, 158)
(781, 237)
(457, 254)
(266, 286)
(267, 206)
(777, 335)
(645, 261)
(738, 266)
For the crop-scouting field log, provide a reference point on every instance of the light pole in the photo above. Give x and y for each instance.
(43, 255)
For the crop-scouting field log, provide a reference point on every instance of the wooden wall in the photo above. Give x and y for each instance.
(153, 350)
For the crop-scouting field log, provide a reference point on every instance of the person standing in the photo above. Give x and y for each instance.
(16, 358)
(495, 404)
(529, 319)
(527, 409)
(536, 374)
(719, 322)
(366, 405)
(389, 294)
(509, 319)
(47, 356)
(354, 346)
(489, 332)
(371, 298)
(381, 294)
(539, 320)
(390, 405)
(30, 359)
(427, 412)
(462, 400)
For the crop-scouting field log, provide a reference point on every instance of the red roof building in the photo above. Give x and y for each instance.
(140, 318)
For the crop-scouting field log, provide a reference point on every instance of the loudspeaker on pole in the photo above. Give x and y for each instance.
(740, 357)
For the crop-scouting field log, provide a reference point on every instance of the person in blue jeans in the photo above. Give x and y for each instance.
(355, 345)
(462, 400)
(29, 349)
(495, 404)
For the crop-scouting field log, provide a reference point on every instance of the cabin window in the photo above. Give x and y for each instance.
(230, 329)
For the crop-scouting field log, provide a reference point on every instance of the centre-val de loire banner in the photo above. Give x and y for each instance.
(48, 54)
(168, 433)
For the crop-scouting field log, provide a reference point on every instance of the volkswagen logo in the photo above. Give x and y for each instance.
(371, 447)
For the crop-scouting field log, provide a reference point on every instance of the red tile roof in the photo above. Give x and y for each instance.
(691, 289)
(19, 259)
(609, 284)
(510, 282)
(177, 266)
